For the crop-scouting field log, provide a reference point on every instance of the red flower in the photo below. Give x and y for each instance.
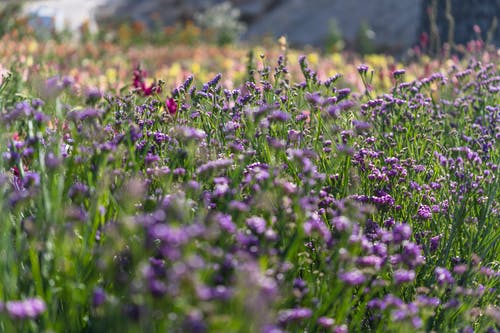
(171, 106)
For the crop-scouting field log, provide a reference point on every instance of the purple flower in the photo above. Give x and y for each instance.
(467, 329)
(341, 223)
(173, 236)
(332, 79)
(52, 87)
(353, 278)
(403, 276)
(398, 73)
(98, 297)
(361, 126)
(289, 315)
(238, 206)
(391, 300)
(460, 269)
(189, 133)
(151, 158)
(443, 276)
(424, 212)
(316, 224)
(401, 232)
(272, 329)
(194, 323)
(279, 116)
(85, 114)
(416, 321)
(383, 200)
(362, 69)
(219, 292)
(371, 261)
(452, 303)
(257, 224)
(325, 322)
(225, 222)
(31, 179)
(26, 309)
(214, 166)
(341, 93)
(434, 244)
(52, 161)
(340, 329)
(215, 80)
(93, 94)
(412, 255)
(157, 288)
(78, 190)
(428, 301)
(380, 249)
(300, 287)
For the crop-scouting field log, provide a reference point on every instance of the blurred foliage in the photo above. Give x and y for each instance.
(10, 17)
(365, 39)
(334, 41)
(223, 20)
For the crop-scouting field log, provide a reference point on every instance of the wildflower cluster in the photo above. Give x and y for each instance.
(284, 204)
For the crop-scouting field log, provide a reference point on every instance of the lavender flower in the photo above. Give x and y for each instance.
(424, 212)
(286, 316)
(401, 232)
(443, 276)
(370, 261)
(257, 224)
(362, 69)
(412, 255)
(325, 322)
(29, 308)
(403, 276)
(278, 116)
(31, 179)
(398, 73)
(225, 222)
(353, 278)
(98, 297)
(215, 80)
(189, 133)
(212, 166)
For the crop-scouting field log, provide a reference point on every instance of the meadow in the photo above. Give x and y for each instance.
(196, 188)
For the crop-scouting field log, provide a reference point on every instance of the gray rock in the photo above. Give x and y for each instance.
(396, 24)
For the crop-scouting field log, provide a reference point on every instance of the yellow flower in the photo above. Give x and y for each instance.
(111, 75)
(313, 58)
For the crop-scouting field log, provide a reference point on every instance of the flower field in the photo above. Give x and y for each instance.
(213, 189)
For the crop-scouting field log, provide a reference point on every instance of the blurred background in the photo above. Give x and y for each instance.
(365, 26)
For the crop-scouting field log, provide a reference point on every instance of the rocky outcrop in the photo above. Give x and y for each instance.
(396, 24)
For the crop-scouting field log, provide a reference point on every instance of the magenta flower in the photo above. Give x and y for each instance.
(139, 83)
(171, 106)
